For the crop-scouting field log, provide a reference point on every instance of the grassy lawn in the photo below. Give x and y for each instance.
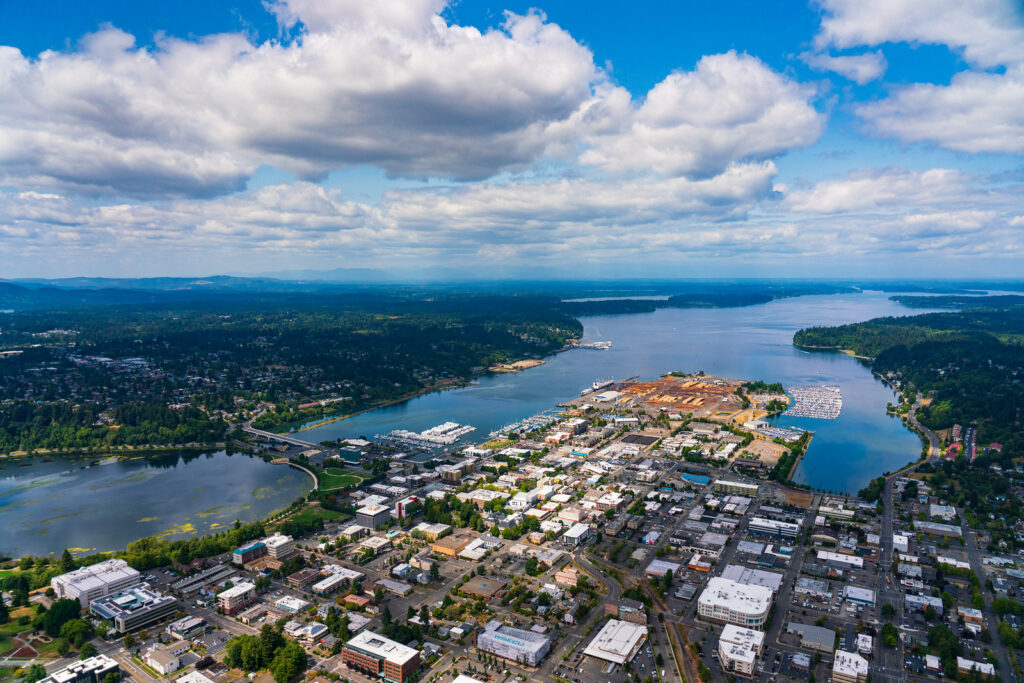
(12, 628)
(334, 478)
(312, 512)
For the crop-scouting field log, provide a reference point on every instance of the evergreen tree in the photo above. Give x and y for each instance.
(67, 563)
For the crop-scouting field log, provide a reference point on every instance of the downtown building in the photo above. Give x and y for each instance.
(237, 598)
(739, 649)
(92, 670)
(373, 516)
(773, 528)
(729, 602)
(134, 608)
(375, 655)
(523, 647)
(280, 547)
(89, 583)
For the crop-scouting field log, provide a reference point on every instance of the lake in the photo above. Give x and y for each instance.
(752, 342)
(47, 505)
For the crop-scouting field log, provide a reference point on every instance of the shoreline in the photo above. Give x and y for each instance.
(848, 352)
(460, 384)
(76, 453)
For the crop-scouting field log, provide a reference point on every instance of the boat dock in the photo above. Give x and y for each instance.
(445, 434)
(527, 425)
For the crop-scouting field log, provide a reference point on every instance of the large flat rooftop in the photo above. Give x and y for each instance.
(377, 645)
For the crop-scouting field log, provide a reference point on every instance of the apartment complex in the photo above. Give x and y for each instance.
(280, 547)
(625, 609)
(237, 598)
(739, 649)
(249, 553)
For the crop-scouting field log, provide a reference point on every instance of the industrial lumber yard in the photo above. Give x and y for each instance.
(633, 535)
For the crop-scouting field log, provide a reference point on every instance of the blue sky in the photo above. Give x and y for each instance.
(830, 138)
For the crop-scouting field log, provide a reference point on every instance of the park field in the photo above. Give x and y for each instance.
(334, 478)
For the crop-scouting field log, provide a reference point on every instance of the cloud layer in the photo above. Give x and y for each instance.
(982, 109)
(111, 153)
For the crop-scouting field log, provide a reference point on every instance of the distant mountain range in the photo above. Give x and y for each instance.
(347, 284)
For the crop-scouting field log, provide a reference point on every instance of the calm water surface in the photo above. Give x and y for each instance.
(49, 505)
(753, 342)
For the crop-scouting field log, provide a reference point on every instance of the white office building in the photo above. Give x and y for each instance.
(280, 547)
(849, 667)
(91, 670)
(576, 535)
(737, 487)
(773, 527)
(840, 560)
(859, 595)
(739, 649)
(237, 597)
(95, 581)
(730, 602)
(373, 516)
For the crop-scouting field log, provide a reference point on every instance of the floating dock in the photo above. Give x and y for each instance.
(445, 434)
(527, 425)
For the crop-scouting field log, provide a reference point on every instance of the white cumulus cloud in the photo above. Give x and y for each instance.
(861, 68)
(982, 109)
(389, 84)
(730, 108)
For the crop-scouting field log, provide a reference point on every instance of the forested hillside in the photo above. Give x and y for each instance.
(969, 363)
(86, 377)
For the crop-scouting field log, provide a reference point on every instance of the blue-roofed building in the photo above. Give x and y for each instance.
(249, 553)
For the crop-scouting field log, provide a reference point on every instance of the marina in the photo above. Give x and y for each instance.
(527, 425)
(819, 402)
(787, 434)
(596, 345)
(446, 434)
